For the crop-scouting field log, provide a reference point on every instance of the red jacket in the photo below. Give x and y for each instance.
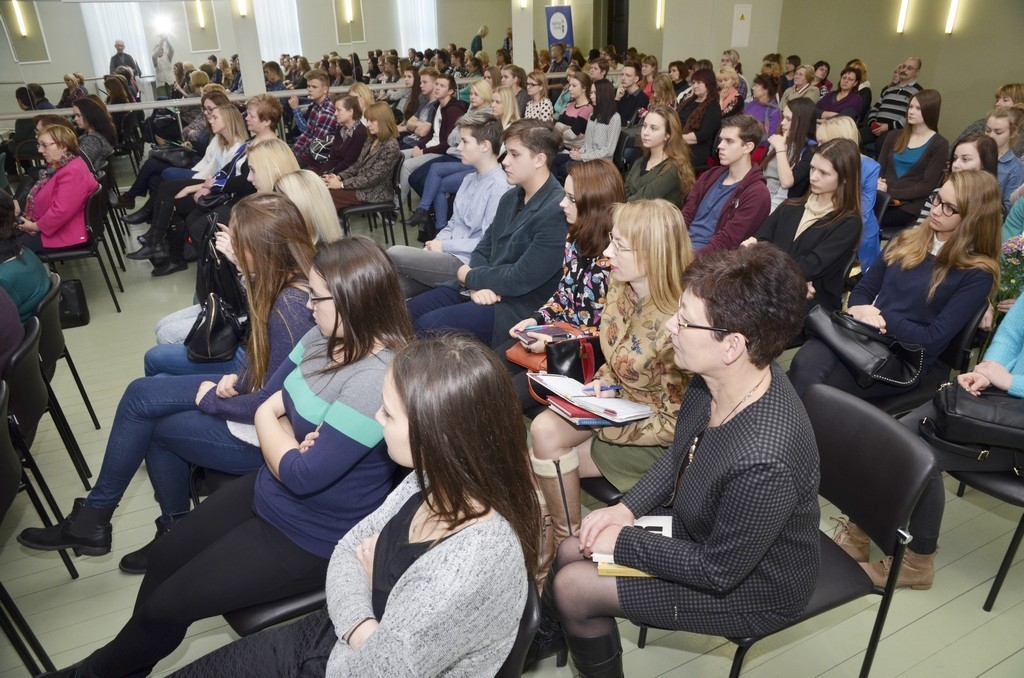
(742, 215)
(59, 206)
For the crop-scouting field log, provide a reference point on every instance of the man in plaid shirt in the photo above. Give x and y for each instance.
(318, 126)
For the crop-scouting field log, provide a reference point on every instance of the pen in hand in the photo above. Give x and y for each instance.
(590, 389)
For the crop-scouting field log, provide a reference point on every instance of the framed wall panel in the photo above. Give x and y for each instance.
(24, 32)
(348, 17)
(202, 25)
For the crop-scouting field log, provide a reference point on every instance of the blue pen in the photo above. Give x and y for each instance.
(531, 328)
(603, 388)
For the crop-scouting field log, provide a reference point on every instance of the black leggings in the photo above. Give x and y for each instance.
(298, 650)
(221, 557)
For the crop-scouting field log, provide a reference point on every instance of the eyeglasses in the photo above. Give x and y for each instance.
(40, 144)
(683, 325)
(947, 209)
(315, 300)
(571, 197)
(619, 247)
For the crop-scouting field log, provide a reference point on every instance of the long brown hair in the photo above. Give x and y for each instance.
(676, 150)
(439, 381)
(368, 300)
(974, 244)
(930, 102)
(598, 185)
(273, 248)
(844, 156)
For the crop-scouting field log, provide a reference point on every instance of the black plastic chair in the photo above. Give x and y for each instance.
(528, 624)
(28, 402)
(52, 348)
(601, 489)
(956, 358)
(385, 210)
(863, 448)
(12, 622)
(1007, 487)
(94, 225)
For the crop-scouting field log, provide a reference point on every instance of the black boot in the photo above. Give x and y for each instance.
(87, 530)
(168, 266)
(549, 639)
(155, 250)
(137, 561)
(418, 217)
(599, 657)
(143, 216)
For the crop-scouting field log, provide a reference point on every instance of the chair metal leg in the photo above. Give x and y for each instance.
(29, 462)
(737, 660)
(68, 437)
(7, 603)
(960, 490)
(110, 258)
(117, 250)
(1005, 566)
(883, 609)
(19, 646)
(81, 389)
(33, 497)
(641, 641)
(110, 288)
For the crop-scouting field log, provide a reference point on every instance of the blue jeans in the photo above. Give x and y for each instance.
(442, 178)
(157, 420)
(172, 360)
(443, 308)
(172, 173)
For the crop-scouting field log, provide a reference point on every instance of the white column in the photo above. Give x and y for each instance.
(248, 42)
(522, 33)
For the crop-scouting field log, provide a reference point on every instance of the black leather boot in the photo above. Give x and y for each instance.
(599, 657)
(154, 250)
(143, 216)
(136, 562)
(418, 217)
(549, 639)
(87, 530)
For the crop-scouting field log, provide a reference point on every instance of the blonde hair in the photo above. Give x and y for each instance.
(270, 159)
(364, 94)
(234, 126)
(839, 127)
(730, 73)
(974, 244)
(657, 233)
(510, 108)
(310, 195)
(482, 90)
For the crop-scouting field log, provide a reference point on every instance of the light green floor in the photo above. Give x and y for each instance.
(931, 634)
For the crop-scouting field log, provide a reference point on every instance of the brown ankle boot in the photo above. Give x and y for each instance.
(852, 539)
(559, 482)
(917, 571)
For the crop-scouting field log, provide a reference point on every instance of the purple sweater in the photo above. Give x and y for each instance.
(289, 321)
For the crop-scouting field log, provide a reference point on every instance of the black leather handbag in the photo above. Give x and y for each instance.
(988, 428)
(869, 355)
(175, 155)
(216, 333)
(74, 310)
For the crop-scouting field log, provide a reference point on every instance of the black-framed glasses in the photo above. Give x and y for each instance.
(315, 300)
(948, 209)
(683, 325)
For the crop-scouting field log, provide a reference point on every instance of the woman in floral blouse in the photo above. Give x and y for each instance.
(647, 253)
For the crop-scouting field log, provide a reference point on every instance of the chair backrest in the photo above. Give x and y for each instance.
(528, 624)
(94, 210)
(4, 181)
(10, 460)
(29, 397)
(958, 353)
(882, 200)
(872, 467)
(396, 174)
(51, 338)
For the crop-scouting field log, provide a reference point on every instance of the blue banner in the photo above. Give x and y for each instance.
(560, 27)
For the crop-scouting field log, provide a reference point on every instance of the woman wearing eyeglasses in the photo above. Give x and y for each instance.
(539, 107)
(172, 421)
(647, 254)
(54, 213)
(925, 287)
(740, 481)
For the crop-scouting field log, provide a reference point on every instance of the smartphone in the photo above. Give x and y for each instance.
(552, 331)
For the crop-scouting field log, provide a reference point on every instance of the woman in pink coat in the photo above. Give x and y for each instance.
(54, 213)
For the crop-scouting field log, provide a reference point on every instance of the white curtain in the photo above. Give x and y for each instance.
(106, 22)
(417, 24)
(277, 23)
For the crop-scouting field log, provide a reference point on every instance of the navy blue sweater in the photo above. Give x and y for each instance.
(901, 294)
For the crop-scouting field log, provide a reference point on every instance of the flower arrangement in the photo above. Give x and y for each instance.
(1011, 278)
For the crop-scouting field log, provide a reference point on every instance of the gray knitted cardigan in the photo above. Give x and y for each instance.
(455, 612)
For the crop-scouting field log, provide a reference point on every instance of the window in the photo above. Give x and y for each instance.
(107, 22)
(277, 24)
(417, 24)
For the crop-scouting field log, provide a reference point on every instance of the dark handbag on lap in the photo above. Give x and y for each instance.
(175, 155)
(869, 355)
(216, 333)
(578, 357)
(215, 273)
(989, 426)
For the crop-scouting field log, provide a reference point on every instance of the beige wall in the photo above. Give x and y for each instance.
(459, 20)
(983, 52)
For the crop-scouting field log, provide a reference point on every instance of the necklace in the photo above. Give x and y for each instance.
(696, 438)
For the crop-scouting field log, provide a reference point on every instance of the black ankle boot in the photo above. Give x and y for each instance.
(87, 530)
(169, 266)
(155, 250)
(599, 657)
(418, 217)
(143, 216)
(136, 562)
(549, 639)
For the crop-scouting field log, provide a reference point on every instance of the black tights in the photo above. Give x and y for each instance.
(587, 603)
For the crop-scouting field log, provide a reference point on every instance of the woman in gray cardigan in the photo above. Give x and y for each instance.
(369, 180)
(434, 581)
